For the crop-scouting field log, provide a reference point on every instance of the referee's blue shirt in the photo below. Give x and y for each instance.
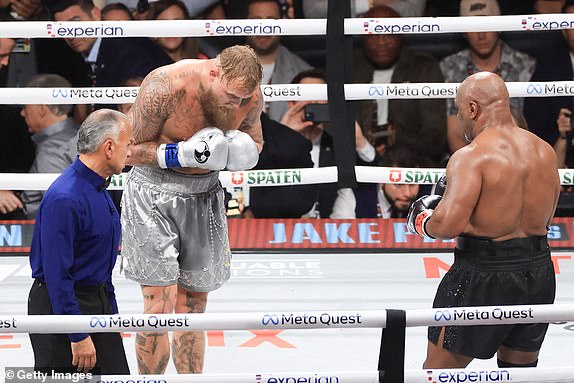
(76, 239)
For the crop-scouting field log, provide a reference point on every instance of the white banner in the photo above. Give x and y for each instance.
(459, 316)
(64, 324)
(282, 92)
(420, 25)
(273, 177)
(302, 27)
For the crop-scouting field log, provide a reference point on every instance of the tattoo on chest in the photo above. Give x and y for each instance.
(184, 74)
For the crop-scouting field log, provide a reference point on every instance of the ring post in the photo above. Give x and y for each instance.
(392, 351)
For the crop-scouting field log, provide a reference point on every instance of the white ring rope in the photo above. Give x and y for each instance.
(273, 177)
(282, 92)
(499, 375)
(456, 316)
(283, 27)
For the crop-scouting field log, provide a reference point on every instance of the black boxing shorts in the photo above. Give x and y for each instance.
(487, 273)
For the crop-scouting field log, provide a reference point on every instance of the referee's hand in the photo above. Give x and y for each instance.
(84, 354)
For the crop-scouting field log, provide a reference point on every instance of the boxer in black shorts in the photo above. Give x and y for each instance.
(497, 199)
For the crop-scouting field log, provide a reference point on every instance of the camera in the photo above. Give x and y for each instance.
(316, 112)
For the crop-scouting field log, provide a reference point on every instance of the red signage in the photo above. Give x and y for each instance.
(340, 234)
(290, 234)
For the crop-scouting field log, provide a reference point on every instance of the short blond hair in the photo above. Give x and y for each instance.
(240, 62)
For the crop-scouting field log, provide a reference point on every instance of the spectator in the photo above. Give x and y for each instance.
(284, 149)
(194, 7)
(416, 123)
(116, 12)
(406, 8)
(279, 64)
(485, 52)
(110, 61)
(54, 134)
(25, 9)
(380, 200)
(177, 48)
(549, 117)
(16, 147)
(548, 6)
(322, 152)
(215, 12)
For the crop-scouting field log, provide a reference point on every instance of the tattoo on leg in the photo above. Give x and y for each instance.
(188, 351)
(194, 304)
(140, 340)
(142, 366)
(152, 357)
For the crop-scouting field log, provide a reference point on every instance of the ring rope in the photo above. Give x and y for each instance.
(454, 316)
(499, 375)
(283, 92)
(272, 177)
(283, 27)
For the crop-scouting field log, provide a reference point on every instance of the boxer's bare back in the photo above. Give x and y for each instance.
(178, 100)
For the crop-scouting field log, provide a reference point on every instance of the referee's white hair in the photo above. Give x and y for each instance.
(98, 127)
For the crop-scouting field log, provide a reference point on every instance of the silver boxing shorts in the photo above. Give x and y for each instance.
(174, 229)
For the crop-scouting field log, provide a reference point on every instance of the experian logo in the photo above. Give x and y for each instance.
(268, 378)
(57, 30)
(469, 376)
(374, 26)
(225, 28)
(531, 23)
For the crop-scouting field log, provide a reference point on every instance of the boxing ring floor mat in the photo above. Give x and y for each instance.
(302, 282)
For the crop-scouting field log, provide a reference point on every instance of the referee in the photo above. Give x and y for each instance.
(74, 250)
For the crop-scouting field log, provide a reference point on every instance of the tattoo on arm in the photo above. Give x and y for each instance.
(252, 118)
(252, 122)
(155, 102)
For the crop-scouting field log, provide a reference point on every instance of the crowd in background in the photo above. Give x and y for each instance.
(396, 132)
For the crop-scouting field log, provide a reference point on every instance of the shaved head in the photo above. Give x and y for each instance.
(477, 98)
(485, 88)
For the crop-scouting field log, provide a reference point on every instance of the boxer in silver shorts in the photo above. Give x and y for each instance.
(158, 205)
(190, 120)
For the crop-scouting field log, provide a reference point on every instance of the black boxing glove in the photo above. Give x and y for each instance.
(440, 187)
(420, 212)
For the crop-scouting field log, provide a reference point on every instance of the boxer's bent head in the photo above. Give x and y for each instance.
(479, 94)
(240, 66)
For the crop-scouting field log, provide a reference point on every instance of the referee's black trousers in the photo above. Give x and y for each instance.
(54, 352)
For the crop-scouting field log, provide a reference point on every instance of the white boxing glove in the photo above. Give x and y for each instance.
(243, 151)
(206, 149)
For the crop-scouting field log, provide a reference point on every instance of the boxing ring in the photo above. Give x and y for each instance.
(353, 283)
(259, 324)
